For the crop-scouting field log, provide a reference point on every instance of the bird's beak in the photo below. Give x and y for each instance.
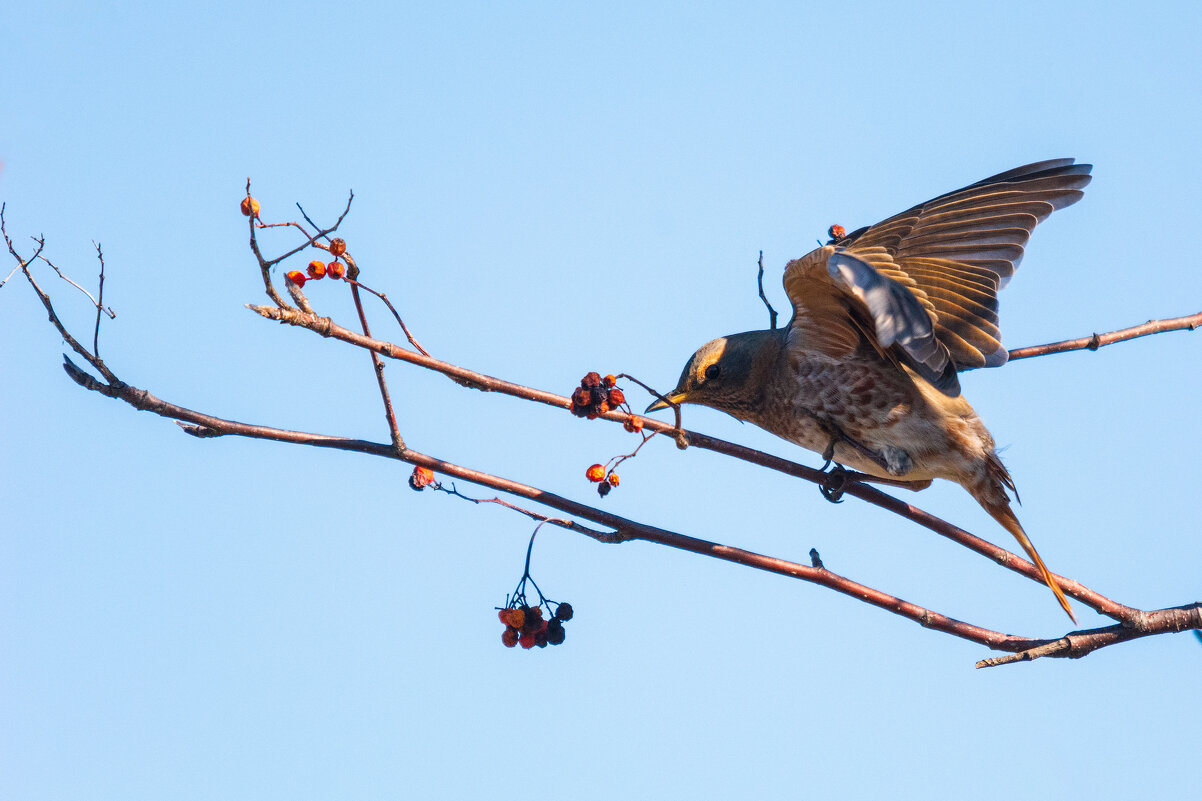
(675, 396)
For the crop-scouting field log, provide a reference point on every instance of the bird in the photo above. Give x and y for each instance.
(884, 320)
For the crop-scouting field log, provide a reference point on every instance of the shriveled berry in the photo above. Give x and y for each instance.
(564, 611)
(603, 488)
(595, 473)
(535, 612)
(591, 380)
(582, 397)
(609, 381)
(517, 618)
(633, 424)
(338, 246)
(336, 269)
(555, 632)
(510, 637)
(296, 277)
(526, 640)
(540, 639)
(317, 269)
(836, 232)
(421, 477)
(250, 207)
(616, 397)
(613, 479)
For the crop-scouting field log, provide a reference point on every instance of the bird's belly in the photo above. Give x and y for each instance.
(880, 421)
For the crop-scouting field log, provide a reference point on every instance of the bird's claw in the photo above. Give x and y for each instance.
(834, 483)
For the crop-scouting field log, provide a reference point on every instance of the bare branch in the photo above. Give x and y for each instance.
(763, 297)
(1189, 322)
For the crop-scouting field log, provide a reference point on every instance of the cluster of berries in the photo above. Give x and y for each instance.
(420, 478)
(596, 395)
(319, 269)
(525, 625)
(605, 480)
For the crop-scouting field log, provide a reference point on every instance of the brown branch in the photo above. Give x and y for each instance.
(1189, 322)
(328, 328)
(763, 297)
(625, 530)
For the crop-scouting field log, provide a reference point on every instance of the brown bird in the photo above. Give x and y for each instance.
(883, 320)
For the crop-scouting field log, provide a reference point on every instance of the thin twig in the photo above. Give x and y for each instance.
(1189, 322)
(763, 297)
(99, 301)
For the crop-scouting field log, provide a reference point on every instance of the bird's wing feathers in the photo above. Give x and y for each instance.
(924, 283)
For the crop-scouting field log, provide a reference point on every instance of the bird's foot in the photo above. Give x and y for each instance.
(834, 482)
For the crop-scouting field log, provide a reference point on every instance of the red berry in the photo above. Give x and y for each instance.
(591, 380)
(509, 637)
(526, 640)
(421, 478)
(296, 277)
(338, 246)
(836, 232)
(616, 397)
(335, 269)
(317, 269)
(595, 473)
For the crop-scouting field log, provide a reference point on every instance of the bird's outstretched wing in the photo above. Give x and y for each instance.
(922, 285)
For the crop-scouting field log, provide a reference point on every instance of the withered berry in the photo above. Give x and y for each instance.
(317, 269)
(609, 381)
(296, 277)
(595, 473)
(591, 380)
(338, 246)
(421, 477)
(616, 397)
(836, 232)
(510, 637)
(526, 640)
(603, 488)
(335, 269)
(613, 479)
(250, 207)
(555, 632)
(564, 611)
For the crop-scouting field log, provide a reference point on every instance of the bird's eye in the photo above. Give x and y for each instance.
(712, 371)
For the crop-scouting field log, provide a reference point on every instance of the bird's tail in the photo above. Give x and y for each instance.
(991, 494)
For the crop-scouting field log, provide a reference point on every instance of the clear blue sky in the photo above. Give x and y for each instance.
(545, 191)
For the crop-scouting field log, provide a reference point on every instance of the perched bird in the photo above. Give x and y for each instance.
(883, 320)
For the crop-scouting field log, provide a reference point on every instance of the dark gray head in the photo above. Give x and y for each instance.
(728, 373)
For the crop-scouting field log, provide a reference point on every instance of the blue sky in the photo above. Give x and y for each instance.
(545, 191)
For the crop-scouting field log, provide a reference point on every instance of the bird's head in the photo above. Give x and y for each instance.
(728, 374)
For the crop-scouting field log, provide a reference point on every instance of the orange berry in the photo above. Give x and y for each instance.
(633, 424)
(317, 269)
(338, 246)
(250, 207)
(609, 381)
(616, 397)
(421, 478)
(335, 269)
(836, 232)
(595, 473)
(613, 479)
(296, 277)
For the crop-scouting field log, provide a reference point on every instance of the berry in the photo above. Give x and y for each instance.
(296, 277)
(836, 232)
(591, 380)
(603, 488)
(317, 269)
(555, 633)
(338, 246)
(609, 381)
(250, 207)
(616, 397)
(526, 640)
(540, 639)
(509, 637)
(595, 473)
(421, 478)
(335, 269)
(563, 611)
(633, 424)
(613, 479)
